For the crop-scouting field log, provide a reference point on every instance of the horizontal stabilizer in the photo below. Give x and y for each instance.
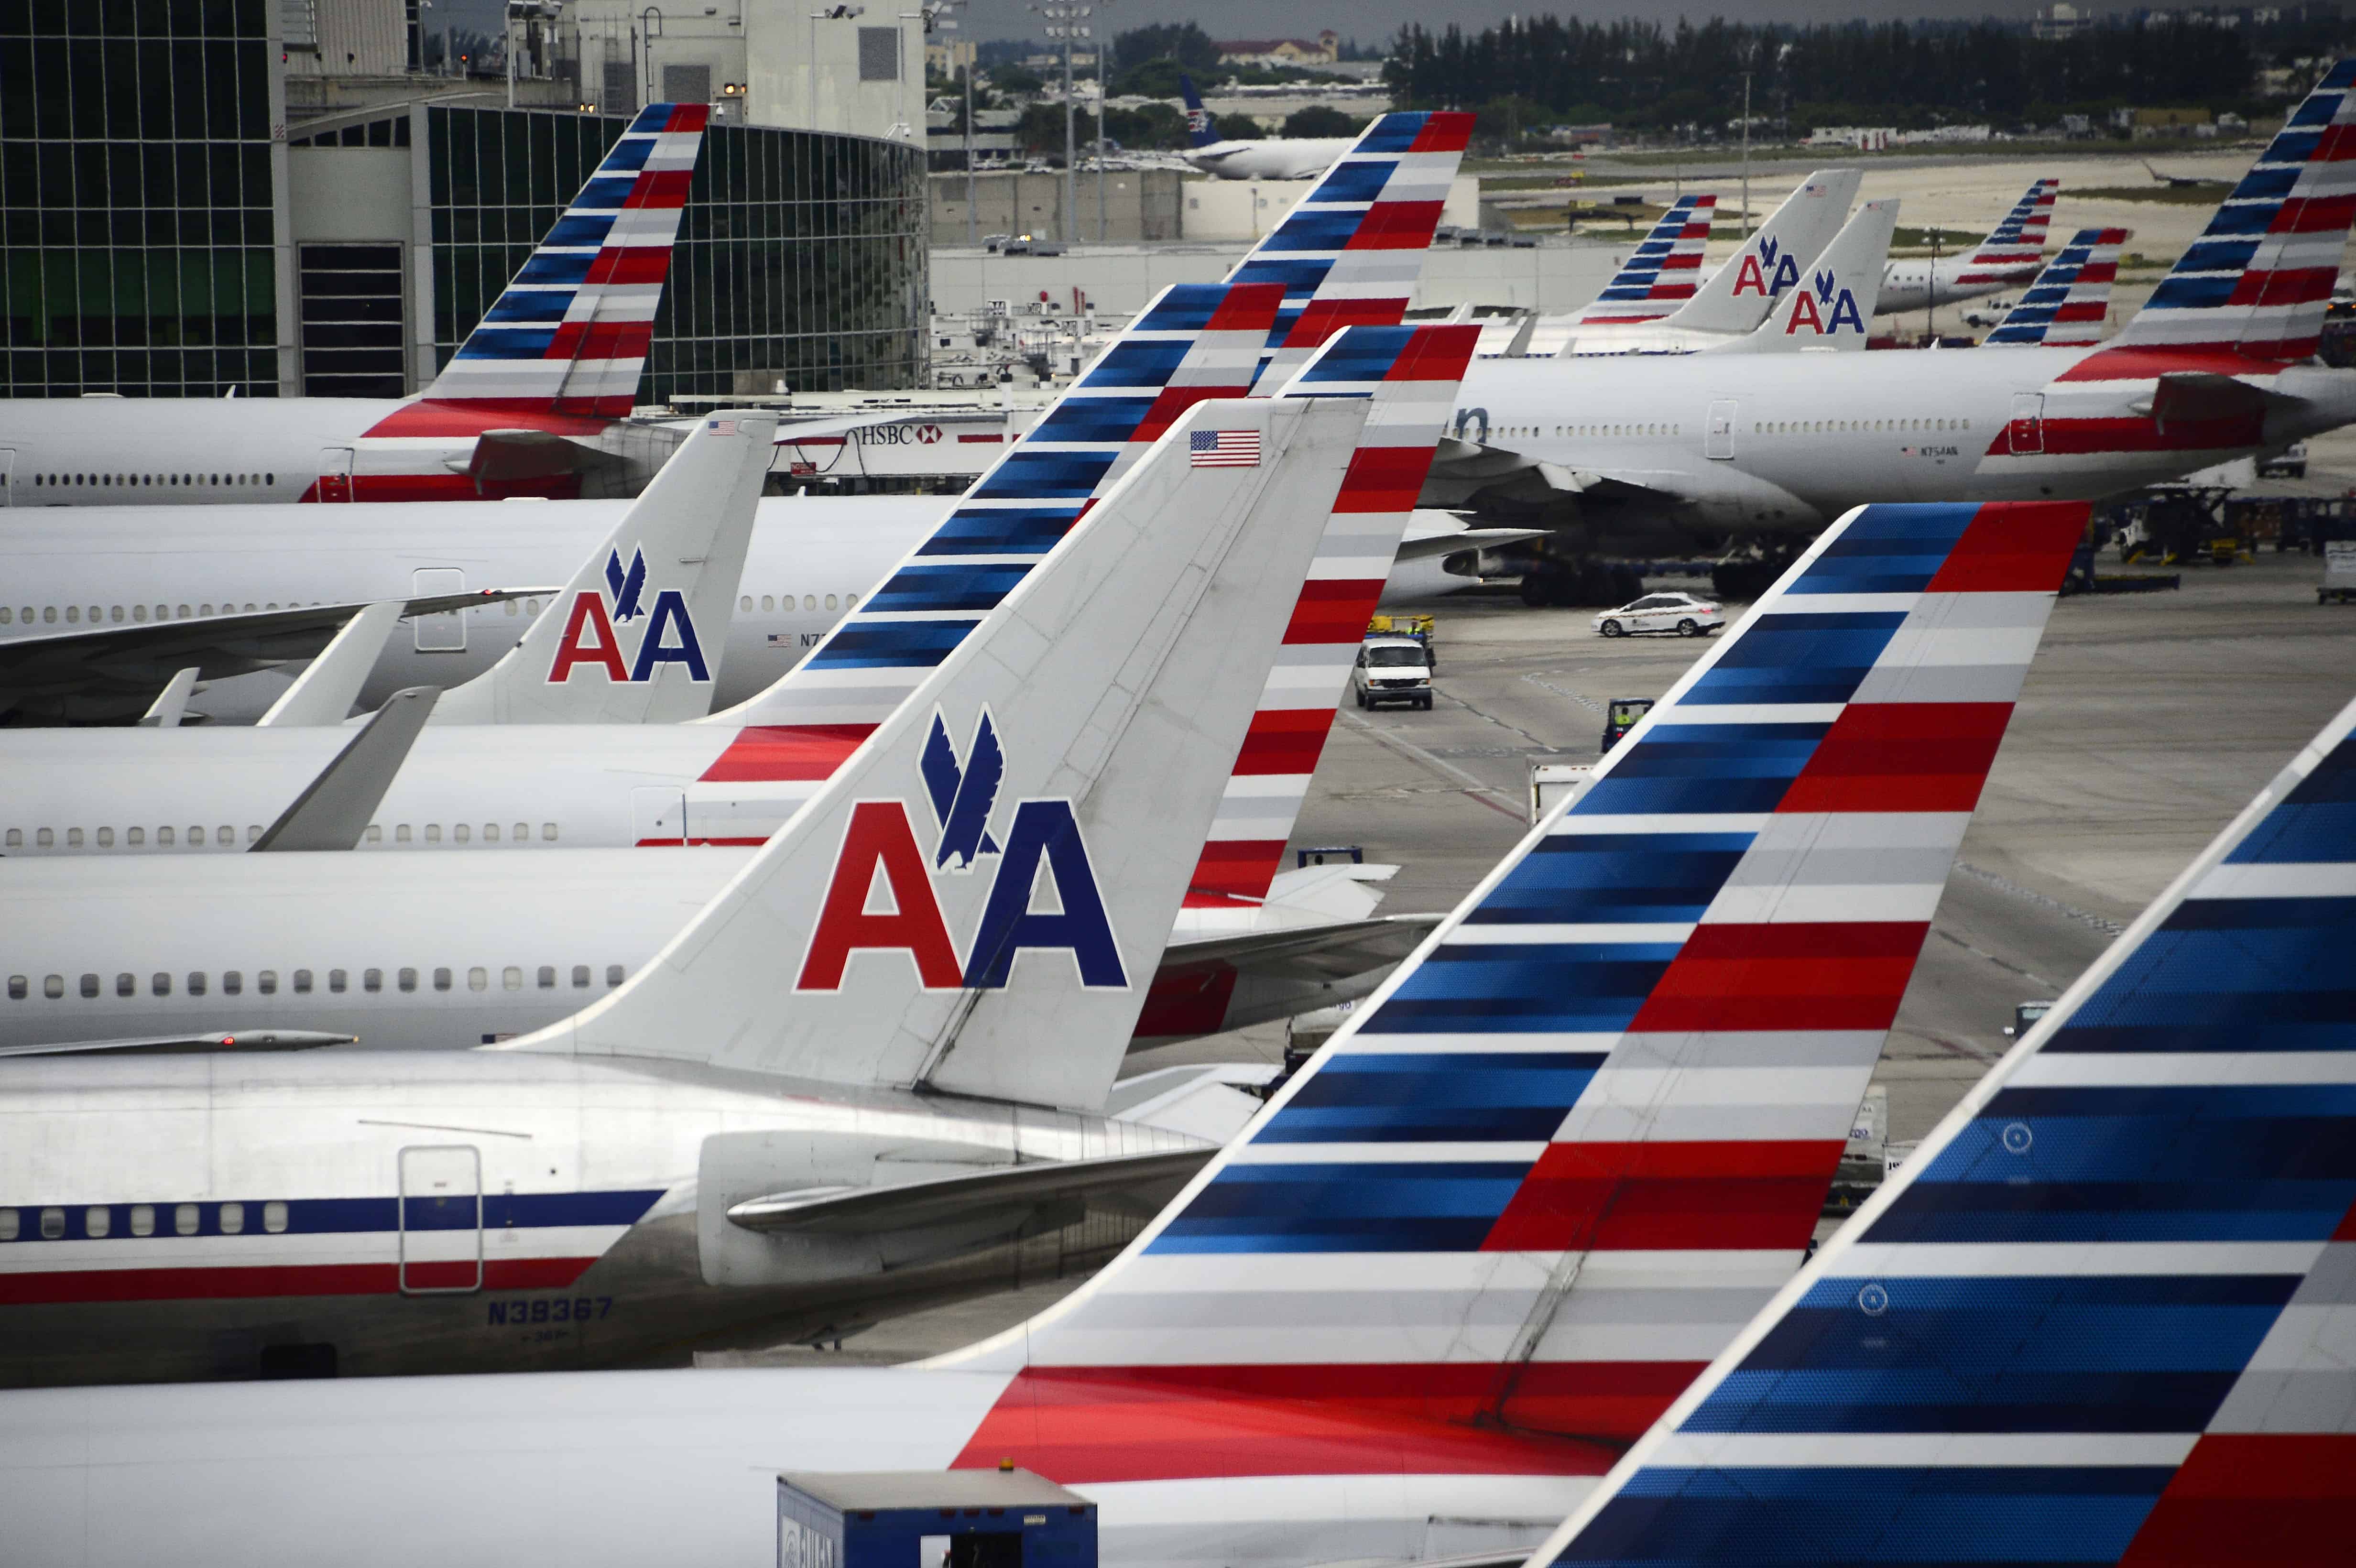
(867, 1210)
(507, 456)
(113, 671)
(1290, 954)
(1434, 545)
(188, 1044)
(334, 809)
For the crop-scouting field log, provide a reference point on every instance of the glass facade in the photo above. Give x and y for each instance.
(800, 256)
(136, 199)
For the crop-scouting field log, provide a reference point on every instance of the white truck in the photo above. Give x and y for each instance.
(1393, 669)
(2339, 585)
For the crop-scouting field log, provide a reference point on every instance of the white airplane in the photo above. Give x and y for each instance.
(2215, 367)
(2150, 1193)
(1080, 738)
(1276, 158)
(535, 402)
(2013, 253)
(1418, 1306)
(1827, 309)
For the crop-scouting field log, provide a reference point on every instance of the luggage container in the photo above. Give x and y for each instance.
(932, 1519)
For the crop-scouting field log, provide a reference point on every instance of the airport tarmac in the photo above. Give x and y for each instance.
(2147, 722)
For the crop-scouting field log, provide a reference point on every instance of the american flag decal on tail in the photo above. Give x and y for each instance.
(1223, 449)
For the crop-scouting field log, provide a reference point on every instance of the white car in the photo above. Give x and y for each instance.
(1680, 613)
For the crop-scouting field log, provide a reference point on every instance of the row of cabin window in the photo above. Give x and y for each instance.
(1598, 430)
(138, 614)
(1853, 427)
(226, 835)
(809, 602)
(98, 1221)
(146, 481)
(232, 981)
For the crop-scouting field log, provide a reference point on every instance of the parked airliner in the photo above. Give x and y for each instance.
(1081, 736)
(2013, 253)
(1458, 1262)
(2214, 367)
(534, 403)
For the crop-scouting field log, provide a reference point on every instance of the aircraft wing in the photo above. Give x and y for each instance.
(1127, 1179)
(116, 671)
(1333, 950)
(1462, 468)
(181, 1044)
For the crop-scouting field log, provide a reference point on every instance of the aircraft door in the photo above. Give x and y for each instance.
(1719, 440)
(443, 634)
(336, 473)
(2026, 431)
(441, 1219)
(7, 473)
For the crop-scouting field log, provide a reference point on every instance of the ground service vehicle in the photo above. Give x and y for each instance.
(1392, 669)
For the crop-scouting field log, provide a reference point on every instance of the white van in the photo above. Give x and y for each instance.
(1392, 669)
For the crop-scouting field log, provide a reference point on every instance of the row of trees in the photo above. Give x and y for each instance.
(1644, 74)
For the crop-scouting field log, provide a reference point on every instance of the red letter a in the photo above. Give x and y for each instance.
(589, 639)
(878, 835)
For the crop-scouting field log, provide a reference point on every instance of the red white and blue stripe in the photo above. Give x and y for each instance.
(1193, 342)
(2258, 280)
(2068, 303)
(570, 332)
(1663, 272)
(1572, 1147)
(1411, 374)
(1351, 252)
(363, 1245)
(2015, 249)
(2107, 1313)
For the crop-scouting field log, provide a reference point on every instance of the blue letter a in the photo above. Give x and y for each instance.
(1044, 827)
(670, 612)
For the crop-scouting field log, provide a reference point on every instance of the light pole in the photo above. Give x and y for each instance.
(1746, 155)
(831, 13)
(1063, 23)
(650, 22)
(1103, 93)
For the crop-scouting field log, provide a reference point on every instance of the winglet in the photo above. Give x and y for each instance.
(637, 636)
(171, 704)
(334, 809)
(324, 693)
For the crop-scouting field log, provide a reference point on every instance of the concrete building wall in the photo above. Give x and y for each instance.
(1138, 204)
(353, 37)
(843, 61)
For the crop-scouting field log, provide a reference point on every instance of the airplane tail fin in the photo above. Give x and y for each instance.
(1663, 272)
(2106, 1313)
(1833, 303)
(1202, 130)
(2258, 280)
(2066, 305)
(569, 334)
(1351, 252)
(1557, 1160)
(637, 636)
(1739, 295)
(1409, 374)
(1080, 737)
(2017, 244)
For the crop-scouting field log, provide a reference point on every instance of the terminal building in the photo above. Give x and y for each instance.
(276, 198)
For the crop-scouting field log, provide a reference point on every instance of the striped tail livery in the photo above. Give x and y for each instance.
(2015, 249)
(2256, 282)
(1663, 272)
(1505, 1216)
(2066, 305)
(2106, 1314)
